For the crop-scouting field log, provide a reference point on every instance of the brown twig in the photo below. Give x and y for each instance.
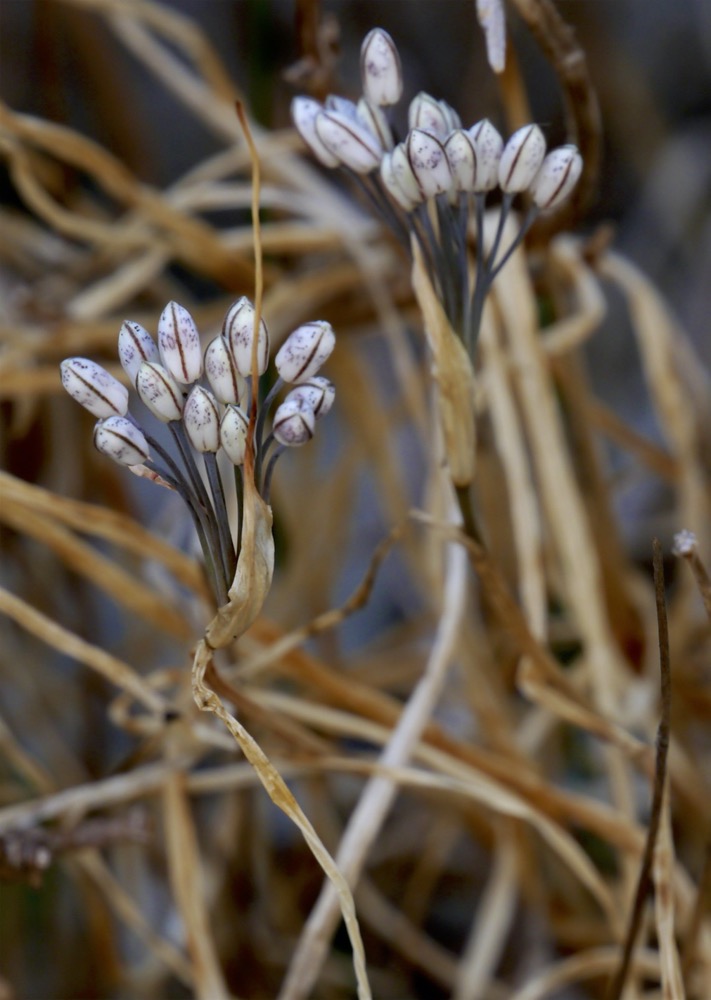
(644, 882)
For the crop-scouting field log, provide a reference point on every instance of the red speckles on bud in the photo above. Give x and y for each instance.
(429, 164)
(120, 439)
(293, 424)
(557, 177)
(93, 387)
(159, 391)
(233, 433)
(135, 345)
(521, 159)
(238, 330)
(179, 344)
(221, 370)
(201, 418)
(304, 351)
(380, 69)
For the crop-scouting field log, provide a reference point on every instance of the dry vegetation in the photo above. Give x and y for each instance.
(470, 731)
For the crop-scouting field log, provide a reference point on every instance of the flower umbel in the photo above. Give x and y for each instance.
(211, 432)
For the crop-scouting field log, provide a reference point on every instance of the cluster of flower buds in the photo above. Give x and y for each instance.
(207, 420)
(439, 172)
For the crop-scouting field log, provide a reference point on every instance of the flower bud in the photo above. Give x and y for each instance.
(405, 177)
(293, 425)
(426, 113)
(342, 106)
(201, 417)
(355, 146)
(303, 115)
(238, 331)
(121, 440)
(521, 159)
(451, 117)
(159, 391)
(179, 344)
(233, 433)
(429, 163)
(488, 144)
(557, 177)
(135, 345)
(317, 394)
(392, 184)
(221, 370)
(304, 351)
(373, 118)
(461, 154)
(93, 387)
(380, 69)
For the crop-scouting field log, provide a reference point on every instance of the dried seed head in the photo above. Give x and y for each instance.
(373, 118)
(159, 391)
(179, 344)
(316, 394)
(93, 387)
(135, 345)
(221, 370)
(233, 433)
(354, 145)
(293, 424)
(489, 145)
(304, 351)
(201, 417)
(461, 154)
(303, 115)
(380, 69)
(392, 183)
(429, 163)
(429, 115)
(557, 177)
(521, 159)
(238, 331)
(121, 440)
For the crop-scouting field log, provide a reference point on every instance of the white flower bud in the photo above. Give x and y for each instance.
(233, 433)
(179, 344)
(429, 163)
(293, 425)
(159, 391)
(392, 184)
(405, 177)
(373, 118)
(121, 440)
(303, 115)
(425, 113)
(461, 154)
(342, 106)
(238, 331)
(451, 117)
(135, 345)
(93, 387)
(557, 177)
(488, 144)
(201, 417)
(317, 394)
(304, 351)
(380, 68)
(221, 370)
(521, 159)
(354, 145)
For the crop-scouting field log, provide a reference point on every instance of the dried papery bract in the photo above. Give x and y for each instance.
(94, 388)
(380, 69)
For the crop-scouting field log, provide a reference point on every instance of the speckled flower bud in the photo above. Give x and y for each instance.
(121, 440)
(221, 370)
(233, 433)
(392, 183)
(179, 344)
(354, 145)
(304, 351)
(316, 394)
(303, 115)
(488, 144)
(521, 159)
(135, 345)
(293, 425)
(461, 154)
(380, 68)
(159, 391)
(426, 113)
(404, 175)
(201, 417)
(373, 118)
(238, 331)
(557, 177)
(93, 387)
(429, 163)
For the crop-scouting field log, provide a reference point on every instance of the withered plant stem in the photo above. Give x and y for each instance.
(644, 881)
